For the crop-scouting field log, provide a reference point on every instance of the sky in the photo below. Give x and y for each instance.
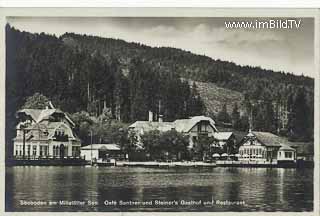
(288, 50)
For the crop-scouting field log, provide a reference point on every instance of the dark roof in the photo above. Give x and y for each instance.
(237, 134)
(268, 139)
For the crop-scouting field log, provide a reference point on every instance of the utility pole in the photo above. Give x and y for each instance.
(24, 143)
(91, 147)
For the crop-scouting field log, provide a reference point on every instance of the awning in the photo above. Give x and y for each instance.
(215, 155)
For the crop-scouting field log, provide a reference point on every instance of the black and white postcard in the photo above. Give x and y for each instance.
(161, 110)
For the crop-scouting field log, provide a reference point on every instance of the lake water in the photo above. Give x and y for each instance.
(174, 189)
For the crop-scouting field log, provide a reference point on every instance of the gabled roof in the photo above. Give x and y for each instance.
(148, 126)
(180, 125)
(267, 138)
(53, 126)
(49, 128)
(222, 135)
(39, 115)
(34, 113)
(185, 125)
(286, 147)
(112, 147)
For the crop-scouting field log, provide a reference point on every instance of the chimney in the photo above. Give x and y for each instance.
(160, 118)
(150, 116)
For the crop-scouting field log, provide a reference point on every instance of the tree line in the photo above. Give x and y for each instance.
(88, 75)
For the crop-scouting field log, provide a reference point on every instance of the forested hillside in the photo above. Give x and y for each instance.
(86, 73)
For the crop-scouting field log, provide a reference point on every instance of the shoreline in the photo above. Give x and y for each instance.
(155, 164)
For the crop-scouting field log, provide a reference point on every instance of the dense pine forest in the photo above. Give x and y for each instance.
(88, 73)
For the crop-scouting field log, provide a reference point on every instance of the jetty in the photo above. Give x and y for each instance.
(165, 164)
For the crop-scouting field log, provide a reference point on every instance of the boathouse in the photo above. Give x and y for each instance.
(100, 152)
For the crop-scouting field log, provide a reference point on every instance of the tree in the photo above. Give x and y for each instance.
(129, 146)
(300, 117)
(244, 123)
(204, 145)
(195, 103)
(223, 115)
(230, 146)
(106, 115)
(83, 125)
(235, 117)
(175, 143)
(36, 101)
(151, 144)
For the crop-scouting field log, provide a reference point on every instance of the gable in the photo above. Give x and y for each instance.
(38, 115)
(202, 126)
(186, 125)
(59, 128)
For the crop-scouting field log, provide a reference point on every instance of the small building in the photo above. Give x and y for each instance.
(45, 133)
(100, 152)
(224, 137)
(265, 146)
(286, 153)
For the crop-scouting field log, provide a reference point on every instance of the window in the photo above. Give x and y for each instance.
(56, 151)
(288, 154)
(75, 151)
(280, 153)
(202, 127)
(28, 150)
(66, 151)
(34, 150)
(43, 150)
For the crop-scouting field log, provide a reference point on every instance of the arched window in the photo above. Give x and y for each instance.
(57, 150)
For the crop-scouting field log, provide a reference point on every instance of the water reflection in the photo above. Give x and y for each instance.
(261, 189)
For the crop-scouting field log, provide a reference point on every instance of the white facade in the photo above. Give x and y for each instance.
(86, 154)
(45, 133)
(99, 151)
(286, 154)
(253, 150)
(265, 146)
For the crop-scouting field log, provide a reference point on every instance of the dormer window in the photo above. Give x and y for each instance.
(203, 127)
(60, 135)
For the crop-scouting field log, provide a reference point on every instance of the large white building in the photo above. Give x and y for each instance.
(45, 133)
(193, 127)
